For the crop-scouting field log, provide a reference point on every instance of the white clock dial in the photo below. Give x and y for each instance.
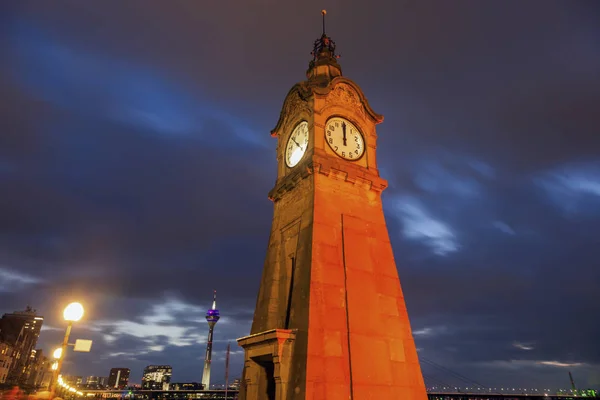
(296, 144)
(344, 138)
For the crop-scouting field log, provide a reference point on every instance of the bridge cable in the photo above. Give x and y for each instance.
(444, 375)
(436, 381)
(456, 374)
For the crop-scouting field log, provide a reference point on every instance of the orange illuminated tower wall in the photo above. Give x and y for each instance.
(330, 319)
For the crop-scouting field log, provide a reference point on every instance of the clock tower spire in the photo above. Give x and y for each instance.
(330, 319)
(324, 65)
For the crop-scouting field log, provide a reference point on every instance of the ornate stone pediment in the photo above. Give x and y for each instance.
(345, 94)
(295, 102)
(343, 91)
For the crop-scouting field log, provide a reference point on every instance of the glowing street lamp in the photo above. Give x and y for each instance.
(72, 313)
(57, 354)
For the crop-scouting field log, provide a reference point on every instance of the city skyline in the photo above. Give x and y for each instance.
(105, 380)
(135, 164)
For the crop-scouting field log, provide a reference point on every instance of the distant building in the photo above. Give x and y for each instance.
(40, 370)
(21, 330)
(235, 384)
(186, 386)
(118, 378)
(92, 380)
(45, 375)
(73, 380)
(95, 382)
(157, 377)
(6, 351)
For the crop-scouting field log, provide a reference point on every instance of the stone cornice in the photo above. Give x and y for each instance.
(347, 172)
(333, 168)
(273, 335)
(288, 182)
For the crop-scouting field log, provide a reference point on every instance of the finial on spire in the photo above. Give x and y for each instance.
(324, 47)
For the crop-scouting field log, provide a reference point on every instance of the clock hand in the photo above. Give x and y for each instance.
(294, 140)
(344, 132)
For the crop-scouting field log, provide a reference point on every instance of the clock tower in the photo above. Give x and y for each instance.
(330, 319)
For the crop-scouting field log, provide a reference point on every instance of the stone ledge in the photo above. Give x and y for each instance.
(273, 335)
(290, 181)
(349, 173)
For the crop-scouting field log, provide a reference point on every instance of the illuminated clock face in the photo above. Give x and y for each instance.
(297, 144)
(344, 138)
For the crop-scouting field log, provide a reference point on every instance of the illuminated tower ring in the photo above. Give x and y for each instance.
(212, 317)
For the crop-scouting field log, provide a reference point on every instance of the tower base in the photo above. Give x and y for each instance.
(267, 364)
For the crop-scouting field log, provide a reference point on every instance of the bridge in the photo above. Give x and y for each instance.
(499, 396)
(442, 383)
(233, 395)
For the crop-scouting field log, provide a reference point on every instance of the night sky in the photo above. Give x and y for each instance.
(135, 162)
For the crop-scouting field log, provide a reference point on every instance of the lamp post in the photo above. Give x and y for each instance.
(56, 355)
(72, 313)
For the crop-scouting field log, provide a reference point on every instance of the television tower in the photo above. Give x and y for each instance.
(212, 316)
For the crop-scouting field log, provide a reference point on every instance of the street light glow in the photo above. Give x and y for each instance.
(73, 312)
(57, 353)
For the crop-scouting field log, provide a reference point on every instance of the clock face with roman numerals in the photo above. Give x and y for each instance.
(344, 138)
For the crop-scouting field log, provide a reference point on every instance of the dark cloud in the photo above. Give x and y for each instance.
(135, 162)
